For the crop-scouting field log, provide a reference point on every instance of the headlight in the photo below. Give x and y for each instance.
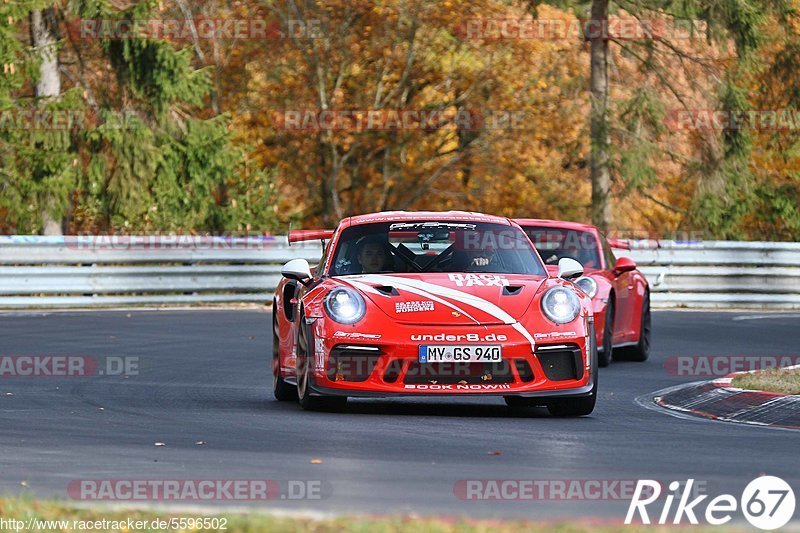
(587, 285)
(345, 305)
(560, 305)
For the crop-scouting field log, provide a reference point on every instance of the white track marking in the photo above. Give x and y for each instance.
(761, 317)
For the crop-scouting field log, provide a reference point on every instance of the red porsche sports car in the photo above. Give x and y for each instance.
(432, 303)
(619, 292)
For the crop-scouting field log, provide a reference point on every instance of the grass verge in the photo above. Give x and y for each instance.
(778, 380)
(39, 515)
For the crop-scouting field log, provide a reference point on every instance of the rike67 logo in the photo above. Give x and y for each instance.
(767, 502)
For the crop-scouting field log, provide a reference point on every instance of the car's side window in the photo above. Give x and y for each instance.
(289, 294)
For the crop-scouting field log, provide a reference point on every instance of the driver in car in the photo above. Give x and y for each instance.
(481, 260)
(474, 260)
(373, 255)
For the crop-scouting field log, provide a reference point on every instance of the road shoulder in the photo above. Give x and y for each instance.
(719, 400)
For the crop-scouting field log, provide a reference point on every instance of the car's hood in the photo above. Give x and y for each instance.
(449, 299)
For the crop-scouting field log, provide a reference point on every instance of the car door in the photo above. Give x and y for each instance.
(624, 294)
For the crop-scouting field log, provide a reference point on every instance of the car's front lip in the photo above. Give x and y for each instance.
(574, 392)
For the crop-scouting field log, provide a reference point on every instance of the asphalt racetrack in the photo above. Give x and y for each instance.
(204, 376)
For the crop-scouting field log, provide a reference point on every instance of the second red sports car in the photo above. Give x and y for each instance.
(620, 293)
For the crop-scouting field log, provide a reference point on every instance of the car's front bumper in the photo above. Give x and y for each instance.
(560, 366)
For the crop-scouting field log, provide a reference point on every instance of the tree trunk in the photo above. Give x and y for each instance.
(601, 175)
(43, 37)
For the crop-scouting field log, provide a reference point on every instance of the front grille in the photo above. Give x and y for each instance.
(561, 362)
(453, 373)
(352, 362)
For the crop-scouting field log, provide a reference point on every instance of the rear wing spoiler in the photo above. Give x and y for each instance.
(299, 235)
(620, 244)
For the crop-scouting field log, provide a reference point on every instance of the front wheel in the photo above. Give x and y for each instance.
(604, 357)
(572, 406)
(284, 392)
(304, 371)
(641, 350)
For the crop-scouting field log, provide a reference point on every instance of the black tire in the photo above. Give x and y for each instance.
(284, 392)
(581, 406)
(606, 355)
(641, 350)
(305, 377)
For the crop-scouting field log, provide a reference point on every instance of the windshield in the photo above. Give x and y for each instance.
(554, 244)
(408, 247)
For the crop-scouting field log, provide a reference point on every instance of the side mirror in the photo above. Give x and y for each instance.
(298, 270)
(569, 268)
(624, 264)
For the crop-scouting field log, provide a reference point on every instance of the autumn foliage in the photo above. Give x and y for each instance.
(325, 109)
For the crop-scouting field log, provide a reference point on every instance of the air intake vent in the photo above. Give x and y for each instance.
(561, 362)
(387, 290)
(352, 362)
(512, 290)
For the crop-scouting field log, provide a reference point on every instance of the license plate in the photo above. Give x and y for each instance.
(438, 353)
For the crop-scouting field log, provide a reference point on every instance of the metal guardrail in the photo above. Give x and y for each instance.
(62, 272)
(58, 272)
(721, 274)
